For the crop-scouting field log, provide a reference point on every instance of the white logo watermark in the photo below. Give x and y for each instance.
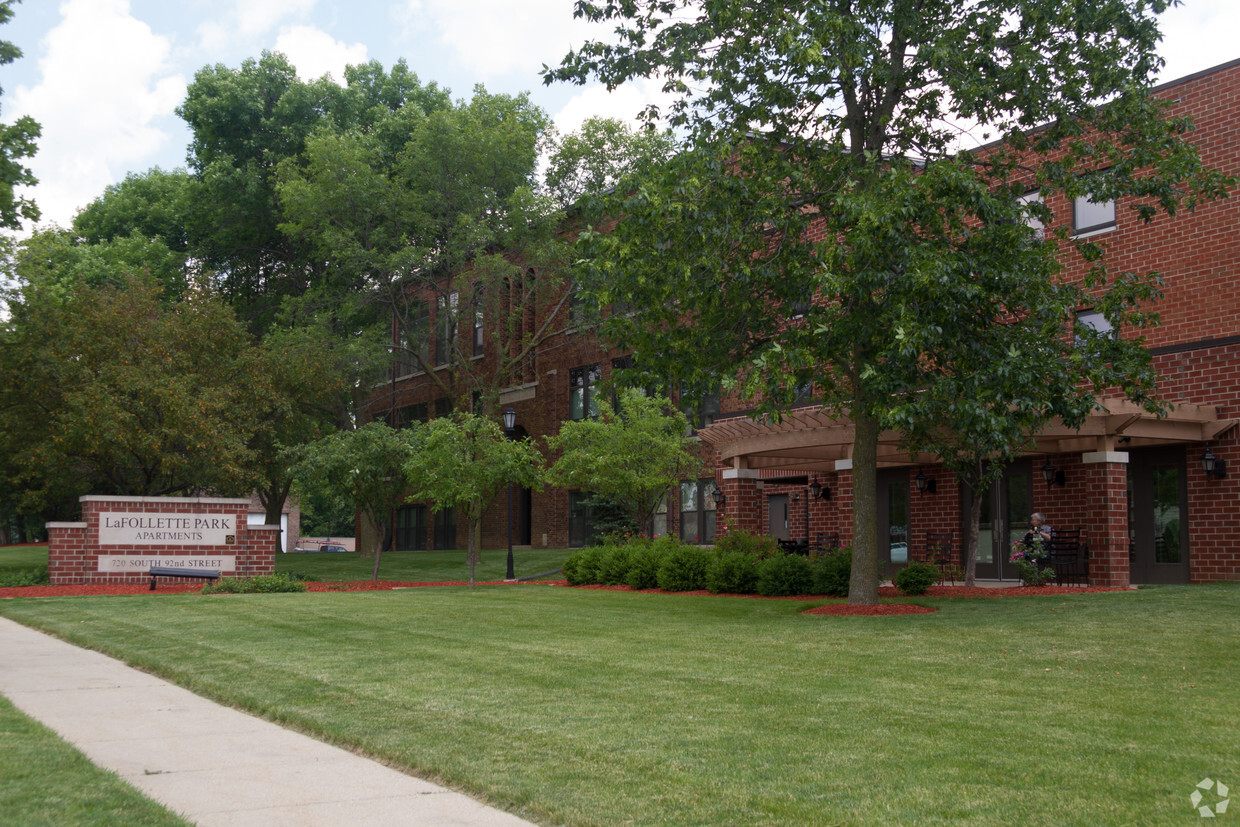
(1220, 790)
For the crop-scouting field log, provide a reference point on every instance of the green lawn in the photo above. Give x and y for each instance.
(43, 780)
(594, 707)
(394, 565)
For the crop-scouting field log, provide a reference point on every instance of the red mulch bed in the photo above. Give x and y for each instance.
(880, 609)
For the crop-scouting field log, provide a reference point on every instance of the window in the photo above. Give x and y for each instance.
(579, 309)
(406, 416)
(1032, 221)
(445, 529)
(658, 525)
(1090, 216)
(445, 328)
(478, 328)
(410, 534)
(443, 407)
(413, 339)
(700, 412)
(697, 511)
(583, 392)
(580, 531)
(1095, 321)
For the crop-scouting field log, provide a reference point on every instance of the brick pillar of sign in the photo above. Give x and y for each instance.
(743, 508)
(1106, 481)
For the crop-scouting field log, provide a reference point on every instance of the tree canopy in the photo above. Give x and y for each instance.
(823, 230)
(632, 454)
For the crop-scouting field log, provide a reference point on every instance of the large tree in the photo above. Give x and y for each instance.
(440, 230)
(17, 142)
(823, 229)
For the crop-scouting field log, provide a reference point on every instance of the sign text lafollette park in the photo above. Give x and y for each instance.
(138, 529)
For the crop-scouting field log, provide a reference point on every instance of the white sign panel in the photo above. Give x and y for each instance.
(141, 563)
(139, 529)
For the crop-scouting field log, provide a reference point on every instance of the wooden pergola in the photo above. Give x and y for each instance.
(810, 439)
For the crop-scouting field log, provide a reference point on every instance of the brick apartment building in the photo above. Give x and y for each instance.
(1133, 484)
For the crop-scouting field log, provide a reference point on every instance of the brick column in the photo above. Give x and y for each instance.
(1106, 481)
(66, 553)
(744, 505)
(842, 496)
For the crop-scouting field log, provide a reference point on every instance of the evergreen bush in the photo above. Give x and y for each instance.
(613, 565)
(259, 584)
(832, 573)
(37, 576)
(645, 557)
(684, 568)
(733, 572)
(783, 575)
(915, 578)
(758, 547)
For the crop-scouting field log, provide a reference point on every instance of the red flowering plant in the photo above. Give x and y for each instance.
(1028, 557)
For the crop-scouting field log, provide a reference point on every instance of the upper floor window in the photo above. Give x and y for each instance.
(1090, 216)
(445, 328)
(583, 385)
(1031, 220)
(478, 329)
(701, 411)
(409, 414)
(412, 340)
(443, 407)
(1094, 320)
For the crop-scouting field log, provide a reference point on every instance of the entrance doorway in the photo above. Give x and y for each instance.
(893, 520)
(1005, 517)
(777, 516)
(1157, 516)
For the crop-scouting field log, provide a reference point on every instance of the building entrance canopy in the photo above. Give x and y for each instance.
(811, 439)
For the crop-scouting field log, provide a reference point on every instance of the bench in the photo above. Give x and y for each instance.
(168, 571)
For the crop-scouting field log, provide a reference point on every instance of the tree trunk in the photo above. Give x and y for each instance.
(863, 583)
(381, 532)
(475, 540)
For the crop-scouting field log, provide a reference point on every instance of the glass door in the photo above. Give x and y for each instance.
(1005, 517)
(893, 522)
(1158, 516)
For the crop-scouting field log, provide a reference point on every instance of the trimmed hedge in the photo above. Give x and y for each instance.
(832, 573)
(733, 572)
(915, 578)
(787, 574)
(684, 568)
(260, 584)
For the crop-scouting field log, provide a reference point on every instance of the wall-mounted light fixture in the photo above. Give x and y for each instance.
(1052, 475)
(1213, 466)
(820, 491)
(924, 484)
(719, 497)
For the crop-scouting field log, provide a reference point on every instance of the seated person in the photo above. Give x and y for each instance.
(1038, 529)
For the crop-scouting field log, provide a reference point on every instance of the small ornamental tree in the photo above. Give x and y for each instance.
(463, 462)
(633, 456)
(365, 466)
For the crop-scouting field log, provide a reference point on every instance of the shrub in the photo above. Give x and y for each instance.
(732, 572)
(613, 565)
(260, 584)
(644, 561)
(758, 547)
(783, 575)
(832, 573)
(581, 567)
(915, 578)
(684, 568)
(25, 577)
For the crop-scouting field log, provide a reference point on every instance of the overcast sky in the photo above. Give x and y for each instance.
(104, 76)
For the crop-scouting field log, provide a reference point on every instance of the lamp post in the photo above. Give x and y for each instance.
(510, 422)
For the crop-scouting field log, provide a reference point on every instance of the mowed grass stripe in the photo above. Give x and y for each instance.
(588, 707)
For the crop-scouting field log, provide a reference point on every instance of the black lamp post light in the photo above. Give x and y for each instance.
(820, 491)
(925, 485)
(510, 424)
(1052, 475)
(1213, 466)
(719, 497)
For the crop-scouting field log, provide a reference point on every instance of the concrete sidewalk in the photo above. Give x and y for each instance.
(210, 763)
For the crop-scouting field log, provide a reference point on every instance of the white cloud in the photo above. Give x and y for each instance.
(104, 85)
(249, 20)
(1197, 36)
(624, 104)
(497, 37)
(316, 53)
